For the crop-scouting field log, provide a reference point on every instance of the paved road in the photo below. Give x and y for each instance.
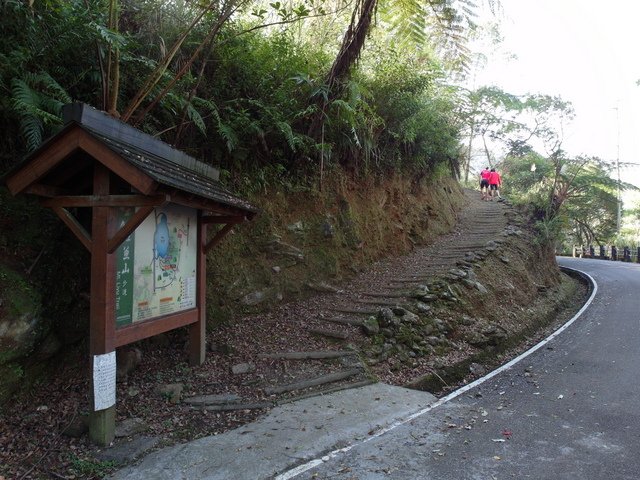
(570, 410)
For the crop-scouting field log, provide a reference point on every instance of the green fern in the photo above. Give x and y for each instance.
(285, 129)
(196, 118)
(37, 100)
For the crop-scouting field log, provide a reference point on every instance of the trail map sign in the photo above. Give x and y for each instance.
(157, 266)
(142, 209)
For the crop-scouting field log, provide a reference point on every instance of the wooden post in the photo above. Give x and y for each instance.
(198, 330)
(102, 319)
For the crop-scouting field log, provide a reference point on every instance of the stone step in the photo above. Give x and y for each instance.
(343, 321)
(357, 311)
(312, 382)
(313, 355)
(384, 294)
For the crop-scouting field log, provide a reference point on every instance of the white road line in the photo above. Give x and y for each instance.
(294, 472)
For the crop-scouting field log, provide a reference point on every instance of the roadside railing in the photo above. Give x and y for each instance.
(608, 252)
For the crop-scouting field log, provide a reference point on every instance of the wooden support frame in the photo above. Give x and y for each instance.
(75, 227)
(147, 204)
(198, 330)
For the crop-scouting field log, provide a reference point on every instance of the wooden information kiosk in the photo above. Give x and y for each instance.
(141, 208)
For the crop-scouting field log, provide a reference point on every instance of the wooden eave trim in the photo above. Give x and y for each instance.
(207, 205)
(114, 162)
(63, 146)
(106, 201)
(215, 219)
(44, 161)
(77, 229)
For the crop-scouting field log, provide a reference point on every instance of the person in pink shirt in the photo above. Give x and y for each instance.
(484, 183)
(494, 183)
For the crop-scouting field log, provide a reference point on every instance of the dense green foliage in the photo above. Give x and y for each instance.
(235, 94)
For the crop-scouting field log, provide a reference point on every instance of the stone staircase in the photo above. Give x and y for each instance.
(329, 329)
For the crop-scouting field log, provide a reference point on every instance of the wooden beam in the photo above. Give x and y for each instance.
(46, 190)
(209, 219)
(106, 201)
(121, 235)
(102, 305)
(138, 331)
(43, 162)
(73, 224)
(217, 238)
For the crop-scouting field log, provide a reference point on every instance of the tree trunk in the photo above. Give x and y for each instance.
(468, 166)
(350, 50)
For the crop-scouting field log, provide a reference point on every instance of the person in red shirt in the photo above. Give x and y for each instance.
(484, 183)
(494, 184)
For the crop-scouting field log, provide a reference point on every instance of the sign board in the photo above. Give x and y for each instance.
(156, 265)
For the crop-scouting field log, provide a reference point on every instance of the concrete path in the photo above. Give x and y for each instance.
(569, 410)
(288, 436)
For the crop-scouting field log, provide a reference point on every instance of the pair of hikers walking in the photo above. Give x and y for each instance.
(490, 182)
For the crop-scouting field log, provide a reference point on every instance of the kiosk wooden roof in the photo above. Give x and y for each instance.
(61, 167)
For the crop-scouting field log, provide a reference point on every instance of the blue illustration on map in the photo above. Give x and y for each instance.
(161, 237)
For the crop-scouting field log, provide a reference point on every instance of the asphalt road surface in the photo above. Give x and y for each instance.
(568, 410)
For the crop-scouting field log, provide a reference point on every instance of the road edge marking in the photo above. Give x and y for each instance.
(294, 472)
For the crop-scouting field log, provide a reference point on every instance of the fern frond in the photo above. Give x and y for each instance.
(196, 118)
(32, 129)
(285, 129)
(229, 136)
(37, 100)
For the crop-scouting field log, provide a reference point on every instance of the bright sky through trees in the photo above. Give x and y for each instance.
(586, 52)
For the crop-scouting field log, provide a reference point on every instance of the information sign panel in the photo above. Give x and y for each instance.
(156, 266)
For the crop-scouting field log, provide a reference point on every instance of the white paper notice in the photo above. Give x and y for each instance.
(104, 380)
